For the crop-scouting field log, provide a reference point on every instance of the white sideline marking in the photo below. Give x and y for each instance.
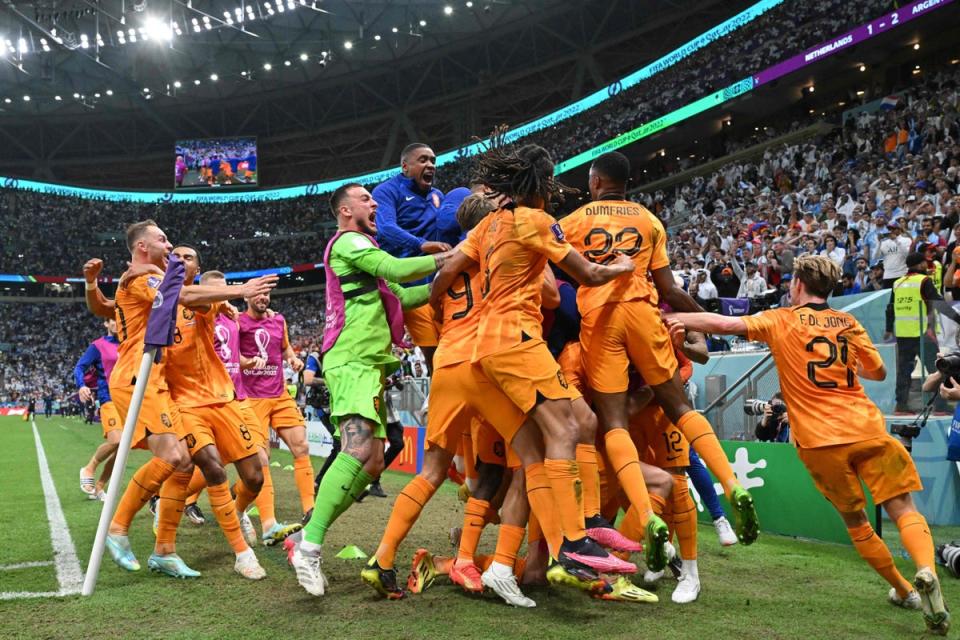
(69, 573)
(25, 565)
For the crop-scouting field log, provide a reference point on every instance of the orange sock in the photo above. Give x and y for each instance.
(226, 513)
(658, 505)
(916, 539)
(630, 525)
(264, 500)
(173, 495)
(534, 532)
(702, 438)
(473, 521)
(540, 497)
(197, 483)
(405, 512)
(625, 462)
(684, 517)
(244, 496)
(872, 549)
(509, 540)
(564, 476)
(303, 476)
(589, 479)
(144, 484)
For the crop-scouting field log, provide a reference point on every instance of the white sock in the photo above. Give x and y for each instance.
(310, 548)
(689, 568)
(246, 555)
(500, 570)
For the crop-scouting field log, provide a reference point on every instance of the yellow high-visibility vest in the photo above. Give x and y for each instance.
(909, 308)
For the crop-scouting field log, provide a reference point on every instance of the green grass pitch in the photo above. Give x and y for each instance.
(778, 588)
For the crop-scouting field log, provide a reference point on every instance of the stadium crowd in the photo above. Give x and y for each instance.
(885, 183)
(235, 235)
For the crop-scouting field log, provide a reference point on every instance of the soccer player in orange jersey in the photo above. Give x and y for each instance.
(158, 426)
(839, 433)
(621, 326)
(511, 247)
(215, 425)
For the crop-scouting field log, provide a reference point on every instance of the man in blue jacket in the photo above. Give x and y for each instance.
(410, 223)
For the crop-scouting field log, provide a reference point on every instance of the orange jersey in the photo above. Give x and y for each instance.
(817, 351)
(196, 375)
(602, 229)
(132, 311)
(458, 330)
(512, 247)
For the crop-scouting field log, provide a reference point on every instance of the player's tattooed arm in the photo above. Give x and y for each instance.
(356, 436)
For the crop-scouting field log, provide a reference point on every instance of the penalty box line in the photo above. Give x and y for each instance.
(65, 561)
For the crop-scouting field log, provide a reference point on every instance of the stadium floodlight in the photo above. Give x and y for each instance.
(916, 46)
(214, 77)
(280, 6)
(7, 100)
(96, 95)
(146, 89)
(76, 96)
(423, 23)
(267, 66)
(347, 45)
(469, 5)
(863, 68)
(26, 98)
(291, 5)
(109, 92)
(448, 10)
(304, 57)
(22, 45)
(197, 82)
(395, 30)
(287, 63)
(377, 37)
(176, 84)
(57, 98)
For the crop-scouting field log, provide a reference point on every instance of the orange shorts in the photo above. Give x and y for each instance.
(278, 413)
(881, 463)
(422, 327)
(158, 414)
(223, 426)
(527, 374)
(450, 414)
(659, 442)
(110, 418)
(466, 391)
(489, 446)
(571, 364)
(251, 421)
(619, 334)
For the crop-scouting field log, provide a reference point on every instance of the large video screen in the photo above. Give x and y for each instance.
(213, 163)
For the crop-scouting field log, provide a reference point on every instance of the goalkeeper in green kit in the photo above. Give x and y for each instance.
(364, 318)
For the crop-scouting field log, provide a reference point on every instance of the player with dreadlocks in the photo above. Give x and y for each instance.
(511, 247)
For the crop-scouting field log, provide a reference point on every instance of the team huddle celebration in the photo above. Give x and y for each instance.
(667, 350)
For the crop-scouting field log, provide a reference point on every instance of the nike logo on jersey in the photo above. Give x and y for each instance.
(409, 198)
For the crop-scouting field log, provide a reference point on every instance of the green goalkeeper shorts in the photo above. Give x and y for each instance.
(357, 389)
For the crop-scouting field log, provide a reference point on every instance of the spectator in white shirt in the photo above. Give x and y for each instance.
(893, 251)
(832, 251)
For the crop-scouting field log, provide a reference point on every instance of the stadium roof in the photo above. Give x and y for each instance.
(82, 113)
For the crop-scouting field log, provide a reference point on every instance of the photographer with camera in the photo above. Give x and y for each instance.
(774, 425)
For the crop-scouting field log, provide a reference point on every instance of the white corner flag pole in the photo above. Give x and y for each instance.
(116, 478)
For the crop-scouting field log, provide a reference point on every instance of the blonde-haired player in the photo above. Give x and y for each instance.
(839, 433)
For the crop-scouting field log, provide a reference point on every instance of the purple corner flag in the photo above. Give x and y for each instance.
(163, 316)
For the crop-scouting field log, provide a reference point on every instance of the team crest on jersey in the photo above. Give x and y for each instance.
(188, 314)
(191, 441)
(153, 282)
(436, 200)
(557, 232)
(113, 422)
(562, 379)
(165, 419)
